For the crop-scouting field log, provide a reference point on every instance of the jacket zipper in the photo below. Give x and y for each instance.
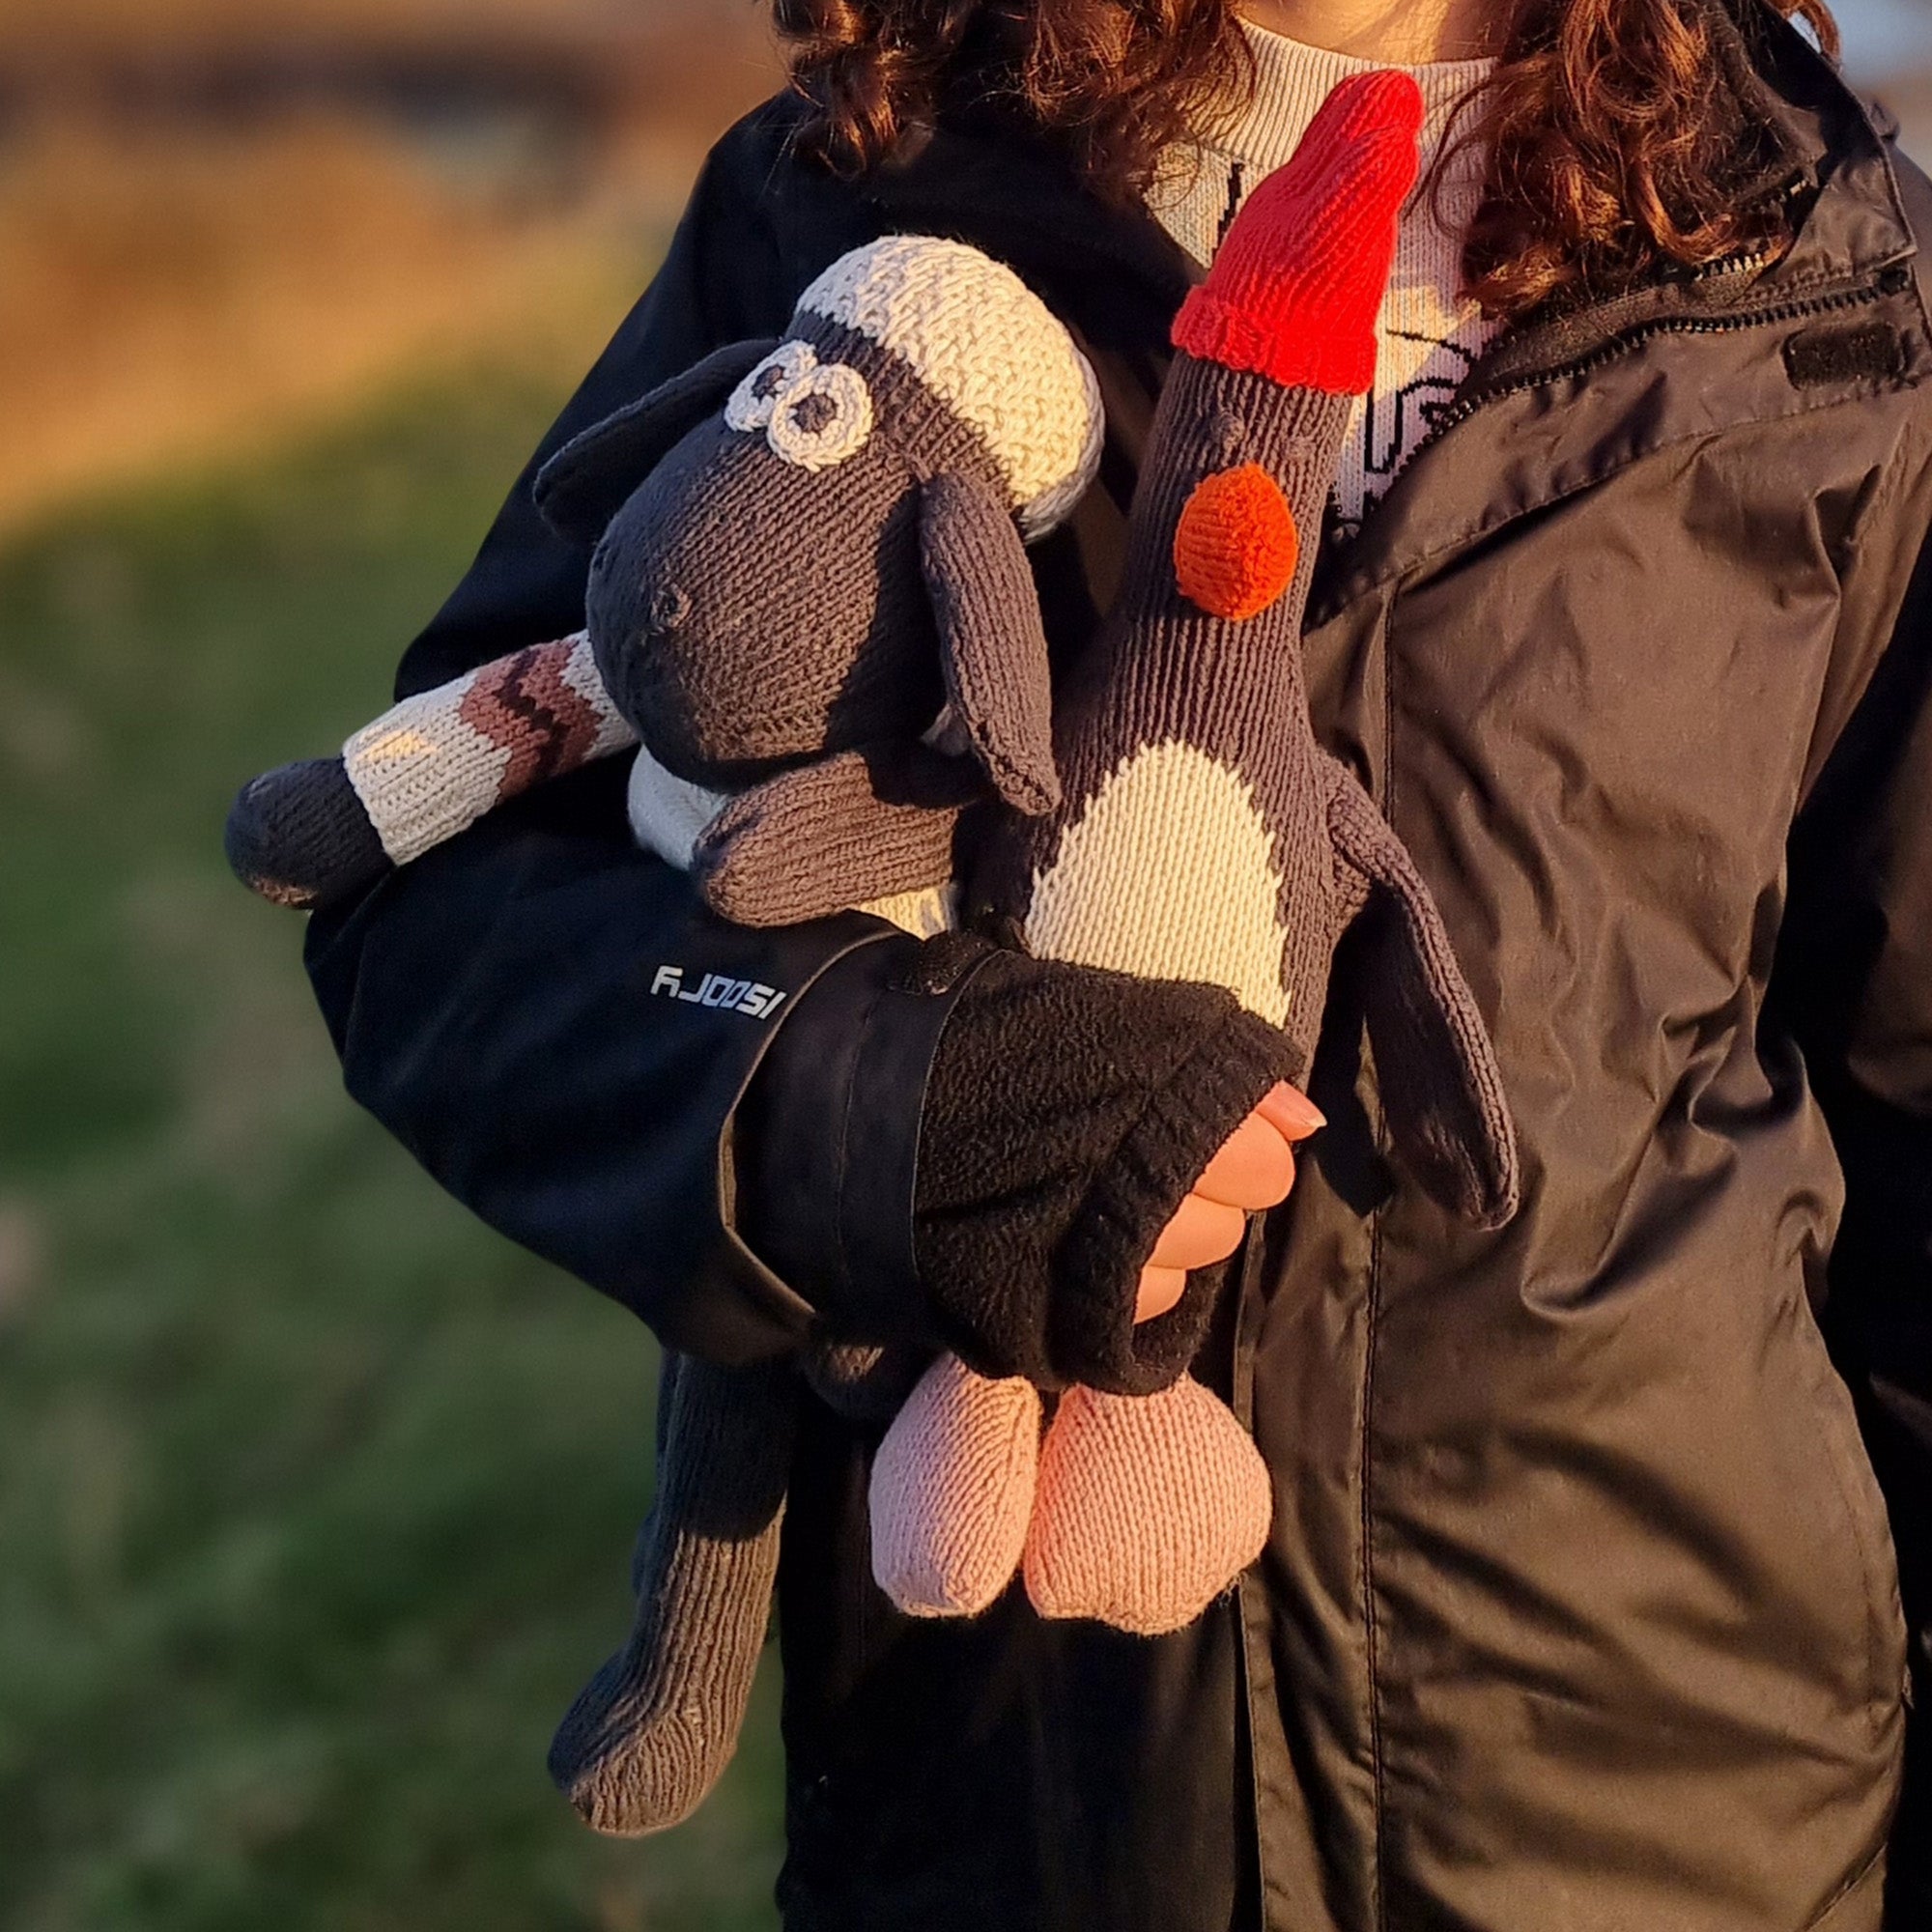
(1634, 337)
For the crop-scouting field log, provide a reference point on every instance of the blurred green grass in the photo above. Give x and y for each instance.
(315, 1497)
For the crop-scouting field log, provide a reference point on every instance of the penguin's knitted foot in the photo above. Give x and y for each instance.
(1148, 1507)
(650, 1733)
(953, 1491)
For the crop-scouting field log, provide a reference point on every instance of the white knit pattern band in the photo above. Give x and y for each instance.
(989, 349)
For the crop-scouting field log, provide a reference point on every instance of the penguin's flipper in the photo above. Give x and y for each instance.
(1440, 1085)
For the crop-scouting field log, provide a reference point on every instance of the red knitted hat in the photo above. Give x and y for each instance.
(1295, 288)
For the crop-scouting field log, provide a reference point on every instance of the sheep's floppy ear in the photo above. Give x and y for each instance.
(592, 476)
(992, 646)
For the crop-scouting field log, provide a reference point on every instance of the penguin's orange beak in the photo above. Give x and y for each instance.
(1236, 545)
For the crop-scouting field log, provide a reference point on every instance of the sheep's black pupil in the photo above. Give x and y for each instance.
(814, 413)
(765, 383)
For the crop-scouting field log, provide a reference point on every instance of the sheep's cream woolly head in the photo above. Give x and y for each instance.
(989, 349)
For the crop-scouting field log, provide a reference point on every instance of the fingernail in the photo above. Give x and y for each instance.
(1298, 1110)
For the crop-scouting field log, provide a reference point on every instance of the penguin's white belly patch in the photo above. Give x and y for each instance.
(1169, 872)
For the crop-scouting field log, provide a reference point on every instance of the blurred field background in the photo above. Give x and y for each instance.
(315, 1498)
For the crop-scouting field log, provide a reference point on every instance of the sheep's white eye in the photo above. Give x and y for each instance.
(754, 399)
(824, 420)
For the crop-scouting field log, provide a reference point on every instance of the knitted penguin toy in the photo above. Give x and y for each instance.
(811, 601)
(1203, 834)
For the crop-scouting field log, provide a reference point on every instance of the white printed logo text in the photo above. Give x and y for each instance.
(751, 997)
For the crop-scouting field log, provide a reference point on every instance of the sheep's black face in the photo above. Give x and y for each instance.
(758, 603)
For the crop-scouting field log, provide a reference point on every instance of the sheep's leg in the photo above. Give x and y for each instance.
(314, 833)
(857, 827)
(650, 1733)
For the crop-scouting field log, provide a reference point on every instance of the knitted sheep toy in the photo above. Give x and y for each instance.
(1205, 836)
(812, 611)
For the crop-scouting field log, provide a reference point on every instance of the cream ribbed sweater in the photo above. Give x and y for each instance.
(1427, 335)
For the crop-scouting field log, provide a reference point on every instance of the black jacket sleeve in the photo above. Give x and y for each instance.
(1855, 984)
(545, 1016)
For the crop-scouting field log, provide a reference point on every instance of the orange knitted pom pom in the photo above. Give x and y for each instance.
(1236, 545)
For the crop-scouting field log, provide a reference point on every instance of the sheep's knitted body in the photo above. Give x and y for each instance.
(810, 600)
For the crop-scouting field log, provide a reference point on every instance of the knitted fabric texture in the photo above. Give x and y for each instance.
(807, 551)
(1428, 334)
(1142, 1509)
(300, 836)
(435, 763)
(798, 586)
(650, 1735)
(1235, 545)
(983, 344)
(316, 833)
(1203, 834)
(1028, 1244)
(669, 815)
(1296, 288)
(953, 1490)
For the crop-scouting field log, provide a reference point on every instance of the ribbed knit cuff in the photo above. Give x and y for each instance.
(1186, 1121)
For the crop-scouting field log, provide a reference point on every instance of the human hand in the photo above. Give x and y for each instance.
(1254, 1170)
(1067, 1112)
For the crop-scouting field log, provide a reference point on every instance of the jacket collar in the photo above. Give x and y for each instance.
(1822, 155)
(1504, 448)
(1563, 402)
(981, 175)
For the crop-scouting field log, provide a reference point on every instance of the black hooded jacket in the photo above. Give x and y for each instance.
(1580, 1613)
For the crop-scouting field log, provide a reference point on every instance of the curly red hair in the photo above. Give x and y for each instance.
(1618, 143)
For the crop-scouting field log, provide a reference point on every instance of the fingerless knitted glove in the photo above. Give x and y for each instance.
(1066, 1113)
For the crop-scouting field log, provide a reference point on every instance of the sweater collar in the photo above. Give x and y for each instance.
(1293, 80)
